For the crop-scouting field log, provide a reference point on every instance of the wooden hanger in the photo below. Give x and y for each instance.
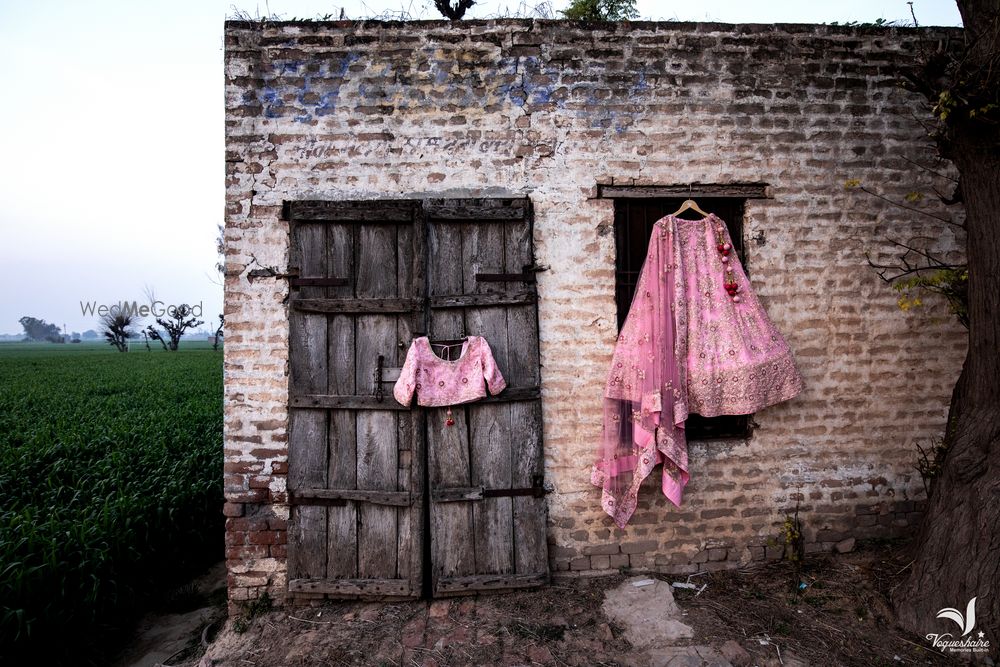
(689, 204)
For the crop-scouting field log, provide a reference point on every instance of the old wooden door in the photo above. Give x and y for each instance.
(355, 459)
(487, 508)
(365, 474)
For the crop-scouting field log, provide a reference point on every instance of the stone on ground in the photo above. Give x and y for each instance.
(736, 654)
(647, 614)
(844, 546)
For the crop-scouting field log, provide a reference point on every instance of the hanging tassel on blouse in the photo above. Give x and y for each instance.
(449, 421)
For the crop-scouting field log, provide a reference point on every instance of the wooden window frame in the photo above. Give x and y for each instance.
(650, 203)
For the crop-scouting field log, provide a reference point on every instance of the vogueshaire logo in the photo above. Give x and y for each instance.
(966, 623)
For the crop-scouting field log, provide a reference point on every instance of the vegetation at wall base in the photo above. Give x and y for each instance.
(110, 491)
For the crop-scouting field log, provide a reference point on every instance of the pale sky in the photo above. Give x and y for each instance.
(112, 177)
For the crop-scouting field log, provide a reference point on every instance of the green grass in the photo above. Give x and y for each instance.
(110, 487)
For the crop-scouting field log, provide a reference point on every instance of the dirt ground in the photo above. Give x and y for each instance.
(830, 611)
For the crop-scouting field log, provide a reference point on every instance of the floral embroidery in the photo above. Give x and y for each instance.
(741, 378)
(447, 382)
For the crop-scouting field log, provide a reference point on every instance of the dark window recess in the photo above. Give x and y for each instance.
(634, 219)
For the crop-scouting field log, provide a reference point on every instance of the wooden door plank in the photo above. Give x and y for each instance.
(316, 401)
(695, 191)
(307, 451)
(476, 210)
(493, 519)
(445, 250)
(527, 464)
(362, 305)
(377, 470)
(354, 587)
(395, 498)
(489, 424)
(410, 519)
(522, 321)
(342, 539)
(488, 582)
(308, 342)
(377, 275)
(307, 467)
(404, 482)
(530, 545)
(451, 528)
(416, 480)
(334, 401)
(383, 211)
(494, 300)
(452, 545)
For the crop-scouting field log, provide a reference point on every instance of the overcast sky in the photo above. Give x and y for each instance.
(112, 171)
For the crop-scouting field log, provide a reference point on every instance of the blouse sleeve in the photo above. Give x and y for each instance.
(407, 382)
(494, 380)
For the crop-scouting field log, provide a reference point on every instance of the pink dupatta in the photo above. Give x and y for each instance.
(645, 402)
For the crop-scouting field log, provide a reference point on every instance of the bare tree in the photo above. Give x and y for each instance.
(116, 328)
(220, 250)
(218, 332)
(178, 320)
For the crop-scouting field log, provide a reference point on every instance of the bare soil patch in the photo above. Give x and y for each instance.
(827, 611)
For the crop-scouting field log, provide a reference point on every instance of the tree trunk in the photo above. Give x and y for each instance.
(958, 546)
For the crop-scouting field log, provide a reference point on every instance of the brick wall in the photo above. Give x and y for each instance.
(549, 110)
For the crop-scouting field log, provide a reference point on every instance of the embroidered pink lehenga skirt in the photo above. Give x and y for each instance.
(689, 344)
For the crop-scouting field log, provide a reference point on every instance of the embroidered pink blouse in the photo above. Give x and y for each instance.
(439, 382)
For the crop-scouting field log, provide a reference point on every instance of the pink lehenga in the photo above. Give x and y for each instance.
(696, 339)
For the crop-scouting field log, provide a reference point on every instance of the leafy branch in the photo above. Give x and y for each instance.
(915, 269)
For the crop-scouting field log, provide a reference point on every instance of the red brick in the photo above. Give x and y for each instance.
(259, 482)
(638, 547)
(244, 552)
(249, 496)
(243, 467)
(232, 509)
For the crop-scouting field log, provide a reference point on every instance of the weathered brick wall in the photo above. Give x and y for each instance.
(549, 110)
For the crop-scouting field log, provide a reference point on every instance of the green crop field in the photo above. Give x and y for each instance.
(110, 487)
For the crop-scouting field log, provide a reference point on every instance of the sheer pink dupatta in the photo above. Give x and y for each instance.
(645, 399)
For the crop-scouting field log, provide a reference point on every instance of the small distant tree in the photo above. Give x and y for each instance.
(117, 329)
(39, 330)
(177, 321)
(601, 10)
(217, 338)
(453, 12)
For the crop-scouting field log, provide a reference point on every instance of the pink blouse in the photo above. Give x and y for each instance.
(439, 382)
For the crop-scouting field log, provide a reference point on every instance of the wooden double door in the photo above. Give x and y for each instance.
(389, 501)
